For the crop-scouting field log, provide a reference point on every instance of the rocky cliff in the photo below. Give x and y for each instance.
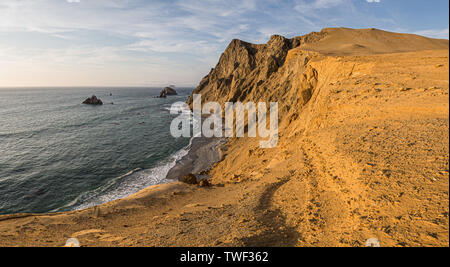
(245, 71)
(282, 70)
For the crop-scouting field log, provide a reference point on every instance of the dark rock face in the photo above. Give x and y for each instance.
(167, 91)
(93, 100)
(245, 71)
(190, 179)
(204, 183)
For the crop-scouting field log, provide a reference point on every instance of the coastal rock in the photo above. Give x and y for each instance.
(93, 100)
(190, 179)
(167, 92)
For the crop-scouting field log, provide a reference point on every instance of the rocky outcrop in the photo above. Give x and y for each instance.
(204, 183)
(254, 71)
(93, 100)
(167, 92)
(190, 179)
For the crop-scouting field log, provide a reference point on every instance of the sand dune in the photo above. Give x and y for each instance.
(344, 41)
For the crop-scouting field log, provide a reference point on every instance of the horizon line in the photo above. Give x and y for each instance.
(96, 86)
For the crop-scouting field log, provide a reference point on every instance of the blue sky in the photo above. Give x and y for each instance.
(156, 43)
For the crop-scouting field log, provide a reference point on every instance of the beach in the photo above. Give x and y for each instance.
(202, 154)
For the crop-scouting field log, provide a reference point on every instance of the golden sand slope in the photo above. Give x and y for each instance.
(344, 41)
(367, 157)
(363, 153)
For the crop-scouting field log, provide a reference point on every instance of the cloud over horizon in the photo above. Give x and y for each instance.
(144, 43)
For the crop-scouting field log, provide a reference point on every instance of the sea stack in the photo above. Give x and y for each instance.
(167, 91)
(93, 100)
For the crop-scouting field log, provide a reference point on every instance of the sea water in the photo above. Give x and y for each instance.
(57, 154)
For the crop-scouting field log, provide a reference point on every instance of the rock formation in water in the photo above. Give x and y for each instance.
(167, 92)
(93, 100)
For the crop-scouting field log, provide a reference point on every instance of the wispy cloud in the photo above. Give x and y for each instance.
(433, 33)
(306, 7)
(175, 41)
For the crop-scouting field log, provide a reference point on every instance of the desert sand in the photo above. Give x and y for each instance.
(363, 153)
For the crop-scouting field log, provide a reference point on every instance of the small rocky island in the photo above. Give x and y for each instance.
(167, 91)
(93, 100)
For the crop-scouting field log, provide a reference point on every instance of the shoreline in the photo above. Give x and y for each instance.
(202, 154)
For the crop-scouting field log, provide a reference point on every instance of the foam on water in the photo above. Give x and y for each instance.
(137, 179)
(179, 107)
(119, 187)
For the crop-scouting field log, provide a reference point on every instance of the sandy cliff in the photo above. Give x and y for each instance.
(364, 133)
(363, 153)
(282, 69)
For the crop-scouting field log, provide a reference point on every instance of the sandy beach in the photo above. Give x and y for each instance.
(203, 153)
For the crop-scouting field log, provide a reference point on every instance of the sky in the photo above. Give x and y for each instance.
(158, 43)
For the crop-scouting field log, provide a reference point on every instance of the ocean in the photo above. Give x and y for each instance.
(58, 155)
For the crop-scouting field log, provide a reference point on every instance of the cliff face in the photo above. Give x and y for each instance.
(250, 72)
(281, 70)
